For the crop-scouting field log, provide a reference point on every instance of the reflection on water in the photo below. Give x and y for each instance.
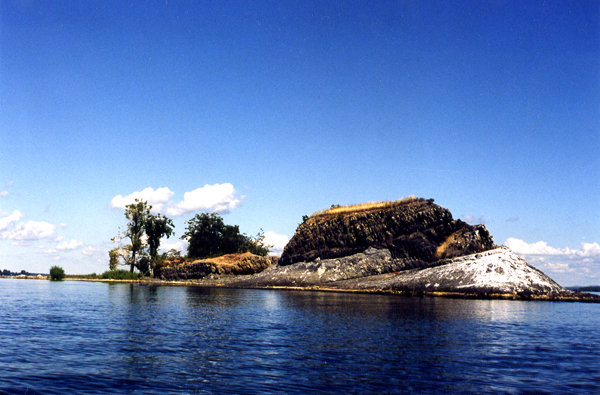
(95, 337)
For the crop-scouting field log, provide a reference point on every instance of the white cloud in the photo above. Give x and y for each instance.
(277, 241)
(590, 249)
(538, 248)
(9, 183)
(180, 245)
(212, 198)
(69, 245)
(88, 251)
(542, 248)
(30, 230)
(565, 265)
(215, 198)
(560, 268)
(10, 219)
(156, 198)
(4, 193)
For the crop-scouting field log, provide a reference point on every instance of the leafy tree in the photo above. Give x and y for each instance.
(137, 214)
(256, 244)
(114, 256)
(141, 222)
(157, 226)
(57, 273)
(204, 233)
(209, 236)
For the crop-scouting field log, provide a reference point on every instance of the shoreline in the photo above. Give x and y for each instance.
(223, 283)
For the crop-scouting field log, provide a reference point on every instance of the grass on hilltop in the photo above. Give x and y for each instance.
(336, 209)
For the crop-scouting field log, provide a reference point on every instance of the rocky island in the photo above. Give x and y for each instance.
(411, 246)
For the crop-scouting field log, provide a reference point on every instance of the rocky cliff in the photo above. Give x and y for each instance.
(415, 231)
(230, 264)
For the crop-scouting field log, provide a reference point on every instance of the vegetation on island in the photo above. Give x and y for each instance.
(144, 231)
(207, 235)
(57, 273)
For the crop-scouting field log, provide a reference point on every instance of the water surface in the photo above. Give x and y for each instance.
(97, 337)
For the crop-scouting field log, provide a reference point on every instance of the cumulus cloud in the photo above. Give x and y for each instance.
(29, 231)
(214, 198)
(566, 265)
(88, 251)
(180, 245)
(10, 219)
(277, 242)
(157, 198)
(69, 245)
(542, 248)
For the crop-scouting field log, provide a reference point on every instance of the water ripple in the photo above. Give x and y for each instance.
(98, 338)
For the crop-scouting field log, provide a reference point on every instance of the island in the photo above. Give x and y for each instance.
(409, 247)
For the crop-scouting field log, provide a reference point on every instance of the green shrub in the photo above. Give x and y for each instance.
(57, 273)
(120, 275)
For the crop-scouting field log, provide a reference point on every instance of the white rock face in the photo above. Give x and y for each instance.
(497, 271)
(494, 271)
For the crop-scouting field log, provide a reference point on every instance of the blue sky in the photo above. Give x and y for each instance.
(273, 110)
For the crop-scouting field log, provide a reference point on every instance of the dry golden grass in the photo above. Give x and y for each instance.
(442, 247)
(366, 206)
(228, 259)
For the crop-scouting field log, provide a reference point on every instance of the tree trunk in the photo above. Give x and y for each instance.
(132, 261)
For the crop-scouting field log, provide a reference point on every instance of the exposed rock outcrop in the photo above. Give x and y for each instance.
(495, 273)
(415, 231)
(230, 264)
(498, 271)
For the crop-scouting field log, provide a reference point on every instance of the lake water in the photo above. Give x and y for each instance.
(97, 337)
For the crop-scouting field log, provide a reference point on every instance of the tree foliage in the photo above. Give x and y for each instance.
(157, 227)
(209, 236)
(141, 222)
(137, 214)
(57, 273)
(113, 256)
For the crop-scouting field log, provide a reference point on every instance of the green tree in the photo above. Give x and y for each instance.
(114, 256)
(137, 214)
(157, 227)
(256, 244)
(57, 273)
(209, 236)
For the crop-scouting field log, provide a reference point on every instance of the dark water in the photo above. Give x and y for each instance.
(97, 337)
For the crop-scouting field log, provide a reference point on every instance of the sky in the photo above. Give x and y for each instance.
(270, 110)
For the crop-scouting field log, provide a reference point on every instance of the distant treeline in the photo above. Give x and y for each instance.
(8, 273)
(589, 288)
